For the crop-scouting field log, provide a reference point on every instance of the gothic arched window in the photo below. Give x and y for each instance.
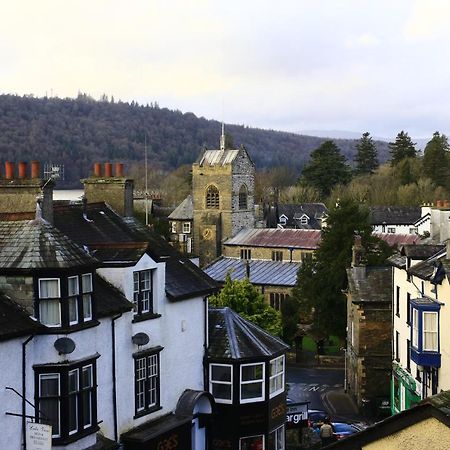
(212, 198)
(243, 197)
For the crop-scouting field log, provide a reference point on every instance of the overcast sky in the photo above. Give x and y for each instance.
(357, 65)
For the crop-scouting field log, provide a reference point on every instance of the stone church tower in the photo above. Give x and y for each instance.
(223, 183)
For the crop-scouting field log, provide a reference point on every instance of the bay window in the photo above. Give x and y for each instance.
(276, 439)
(252, 443)
(72, 293)
(430, 331)
(221, 382)
(86, 287)
(252, 382)
(66, 399)
(415, 336)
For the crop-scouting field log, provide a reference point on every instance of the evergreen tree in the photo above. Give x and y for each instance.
(243, 298)
(403, 147)
(321, 282)
(436, 160)
(366, 155)
(326, 168)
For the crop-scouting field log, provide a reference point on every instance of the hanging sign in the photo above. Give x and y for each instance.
(38, 436)
(296, 414)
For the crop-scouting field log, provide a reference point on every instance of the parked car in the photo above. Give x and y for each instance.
(342, 430)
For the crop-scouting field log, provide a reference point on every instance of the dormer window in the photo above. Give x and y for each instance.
(212, 198)
(143, 292)
(50, 302)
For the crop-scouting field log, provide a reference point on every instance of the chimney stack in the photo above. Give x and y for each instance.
(359, 268)
(22, 170)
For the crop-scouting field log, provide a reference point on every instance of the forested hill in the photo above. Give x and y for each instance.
(79, 132)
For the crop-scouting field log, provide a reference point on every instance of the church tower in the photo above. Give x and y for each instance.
(223, 183)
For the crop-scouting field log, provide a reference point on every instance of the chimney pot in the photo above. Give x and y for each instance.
(446, 203)
(97, 169)
(119, 169)
(22, 170)
(9, 170)
(108, 170)
(35, 169)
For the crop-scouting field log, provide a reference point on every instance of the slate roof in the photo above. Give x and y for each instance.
(15, 321)
(375, 286)
(426, 269)
(184, 211)
(109, 299)
(217, 157)
(417, 252)
(276, 237)
(233, 337)
(35, 244)
(116, 240)
(262, 272)
(394, 215)
(294, 212)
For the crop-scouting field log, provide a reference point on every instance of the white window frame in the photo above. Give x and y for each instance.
(415, 328)
(50, 298)
(82, 388)
(76, 396)
(258, 380)
(283, 219)
(253, 436)
(73, 297)
(279, 431)
(58, 376)
(304, 220)
(228, 383)
(391, 230)
(87, 292)
(277, 375)
(186, 227)
(173, 227)
(435, 330)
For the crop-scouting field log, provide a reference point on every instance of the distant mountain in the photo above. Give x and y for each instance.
(78, 132)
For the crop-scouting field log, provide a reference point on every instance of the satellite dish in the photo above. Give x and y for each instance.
(140, 339)
(64, 345)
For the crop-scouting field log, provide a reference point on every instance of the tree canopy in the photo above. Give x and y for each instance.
(436, 160)
(403, 147)
(325, 169)
(243, 298)
(321, 281)
(366, 158)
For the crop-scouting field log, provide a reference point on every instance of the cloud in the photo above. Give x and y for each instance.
(429, 19)
(362, 41)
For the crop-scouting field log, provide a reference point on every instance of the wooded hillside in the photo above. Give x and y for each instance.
(78, 132)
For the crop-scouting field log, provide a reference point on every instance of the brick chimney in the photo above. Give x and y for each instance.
(358, 267)
(116, 191)
(18, 192)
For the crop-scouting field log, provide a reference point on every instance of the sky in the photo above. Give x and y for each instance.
(356, 65)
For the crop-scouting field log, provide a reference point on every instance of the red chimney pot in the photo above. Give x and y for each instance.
(97, 169)
(9, 170)
(108, 170)
(119, 169)
(22, 170)
(35, 169)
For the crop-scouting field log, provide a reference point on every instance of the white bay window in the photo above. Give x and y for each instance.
(50, 302)
(252, 382)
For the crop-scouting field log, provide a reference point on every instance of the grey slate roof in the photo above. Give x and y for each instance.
(184, 211)
(394, 215)
(426, 269)
(294, 212)
(217, 157)
(276, 237)
(262, 272)
(15, 321)
(109, 300)
(233, 337)
(35, 244)
(376, 286)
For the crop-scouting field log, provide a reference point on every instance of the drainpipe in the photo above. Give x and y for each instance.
(24, 426)
(205, 341)
(113, 346)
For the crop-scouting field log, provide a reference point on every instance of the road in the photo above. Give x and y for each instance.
(309, 384)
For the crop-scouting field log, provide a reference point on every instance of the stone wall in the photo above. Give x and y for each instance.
(234, 251)
(21, 289)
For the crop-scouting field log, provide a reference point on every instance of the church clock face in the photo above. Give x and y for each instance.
(207, 234)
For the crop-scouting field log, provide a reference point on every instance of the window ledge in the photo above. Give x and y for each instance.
(75, 437)
(146, 412)
(71, 328)
(145, 316)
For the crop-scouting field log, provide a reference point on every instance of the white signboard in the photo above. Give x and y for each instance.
(39, 436)
(296, 413)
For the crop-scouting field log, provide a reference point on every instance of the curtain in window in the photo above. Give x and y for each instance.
(430, 335)
(49, 312)
(48, 288)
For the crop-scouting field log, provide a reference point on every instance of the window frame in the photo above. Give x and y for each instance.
(186, 227)
(227, 383)
(63, 373)
(415, 328)
(277, 255)
(154, 354)
(243, 198)
(44, 299)
(253, 436)
(73, 297)
(280, 431)
(138, 296)
(173, 227)
(261, 381)
(246, 253)
(435, 332)
(281, 373)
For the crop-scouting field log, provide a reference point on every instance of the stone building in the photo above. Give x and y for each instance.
(223, 196)
(180, 222)
(369, 325)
